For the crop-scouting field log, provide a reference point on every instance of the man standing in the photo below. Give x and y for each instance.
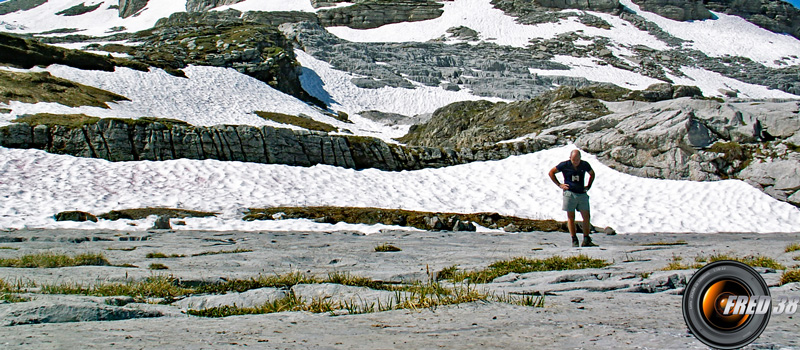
(575, 196)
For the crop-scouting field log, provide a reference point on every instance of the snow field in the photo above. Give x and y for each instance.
(35, 185)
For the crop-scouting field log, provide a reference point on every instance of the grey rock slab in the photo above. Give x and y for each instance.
(337, 293)
(250, 298)
(67, 309)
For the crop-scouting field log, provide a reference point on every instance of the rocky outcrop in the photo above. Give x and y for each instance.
(774, 15)
(19, 5)
(131, 140)
(475, 123)
(205, 5)
(679, 10)
(75, 216)
(234, 17)
(485, 69)
(375, 13)
(694, 139)
(225, 39)
(598, 5)
(129, 8)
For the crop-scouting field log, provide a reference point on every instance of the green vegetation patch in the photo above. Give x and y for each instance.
(152, 287)
(51, 260)
(303, 122)
(33, 87)
(790, 276)
(157, 266)
(792, 247)
(8, 248)
(522, 265)
(399, 217)
(386, 247)
(68, 120)
(141, 213)
(428, 295)
(700, 261)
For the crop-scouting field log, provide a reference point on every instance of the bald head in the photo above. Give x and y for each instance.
(575, 157)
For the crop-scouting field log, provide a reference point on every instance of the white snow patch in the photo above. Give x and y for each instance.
(727, 35)
(334, 87)
(98, 22)
(589, 68)
(34, 185)
(710, 83)
(494, 26)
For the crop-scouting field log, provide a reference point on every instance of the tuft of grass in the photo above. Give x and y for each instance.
(447, 273)
(303, 122)
(157, 266)
(241, 285)
(792, 247)
(525, 265)
(796, 258)
(8, 293)
(677, 264)
(429, 295)
(8, 248)
(386, 247)
(790, 276)
(752, 260)
(662, 243)
(237, 250)
(152, 287)
(50, 260)
(159, 255)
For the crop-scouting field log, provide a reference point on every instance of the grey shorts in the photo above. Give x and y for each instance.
(575, 201)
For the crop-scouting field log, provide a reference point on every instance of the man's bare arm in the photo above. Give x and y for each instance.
(591, 179)
(555, 181)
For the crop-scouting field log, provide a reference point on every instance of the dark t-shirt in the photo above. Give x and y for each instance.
(574, 177)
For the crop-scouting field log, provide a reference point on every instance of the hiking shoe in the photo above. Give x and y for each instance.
(575, 242)
(587, 242)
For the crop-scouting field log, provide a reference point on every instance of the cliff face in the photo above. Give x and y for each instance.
(131, 140)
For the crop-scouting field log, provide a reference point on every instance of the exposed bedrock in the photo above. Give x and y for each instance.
(679, 10)
(129, 8)
(126, 140)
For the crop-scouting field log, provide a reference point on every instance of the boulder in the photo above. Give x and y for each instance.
(250, 298)
(162, 223)
(129, 8)
(75, 216)
(68, 309)
(369, 14)
(679, 10)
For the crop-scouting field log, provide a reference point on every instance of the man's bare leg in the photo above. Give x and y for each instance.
(586, 223)
(587, 241)
(571, 226)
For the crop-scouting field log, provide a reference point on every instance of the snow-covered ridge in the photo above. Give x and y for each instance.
(35, 185)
